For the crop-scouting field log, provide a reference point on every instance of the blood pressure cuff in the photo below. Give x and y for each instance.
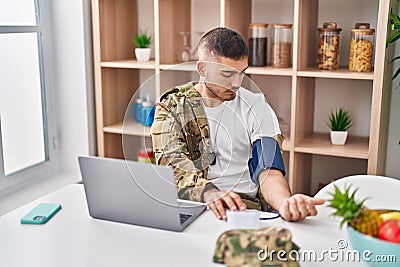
(266, 154)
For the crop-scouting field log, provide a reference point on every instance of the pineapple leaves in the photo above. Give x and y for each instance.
(345, 204)
(353, 212)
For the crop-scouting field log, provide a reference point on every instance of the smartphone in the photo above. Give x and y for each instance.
(41, 213)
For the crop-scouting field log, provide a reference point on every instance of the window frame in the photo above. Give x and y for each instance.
(50, 165)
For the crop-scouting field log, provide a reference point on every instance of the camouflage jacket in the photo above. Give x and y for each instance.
(180, 138)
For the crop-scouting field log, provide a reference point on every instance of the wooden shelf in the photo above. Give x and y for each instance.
(295, 91)
(129, 64)
(132, 127)
(129, 127)
(320, 144)
(270, 71)
(287, 145)
(336, 74)
(189, 66)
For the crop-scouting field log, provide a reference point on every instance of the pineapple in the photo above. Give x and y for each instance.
(354, 212)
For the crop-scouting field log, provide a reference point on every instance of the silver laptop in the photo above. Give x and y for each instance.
(135, 193)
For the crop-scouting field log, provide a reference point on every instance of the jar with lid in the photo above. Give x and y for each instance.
(258, 44)
(281, 47)
(328, 46)
(361, 48)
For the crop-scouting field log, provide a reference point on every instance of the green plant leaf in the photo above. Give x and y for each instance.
(394, 59)
(396, 26)
(396, 74)
(340, 120)
(142, 39)
(394, 18)
(393, 38)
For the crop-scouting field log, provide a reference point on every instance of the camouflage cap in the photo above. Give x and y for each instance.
(256, 248)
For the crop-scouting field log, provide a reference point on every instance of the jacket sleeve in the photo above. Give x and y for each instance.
(171, 149)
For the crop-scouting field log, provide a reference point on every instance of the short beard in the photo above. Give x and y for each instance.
(215, 94)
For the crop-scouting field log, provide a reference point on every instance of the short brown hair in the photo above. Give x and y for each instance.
(223, 42)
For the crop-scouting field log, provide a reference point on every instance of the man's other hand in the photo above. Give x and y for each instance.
(217, 201)
(298, 207)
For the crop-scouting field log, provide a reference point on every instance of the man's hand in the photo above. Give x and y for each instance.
(276, 192)
(298, 207)
(218, 200)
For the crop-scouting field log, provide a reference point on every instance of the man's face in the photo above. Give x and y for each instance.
(224, 77)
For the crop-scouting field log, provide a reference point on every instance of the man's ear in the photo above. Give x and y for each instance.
(201, 68)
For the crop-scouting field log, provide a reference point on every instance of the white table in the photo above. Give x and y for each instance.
(73, 239)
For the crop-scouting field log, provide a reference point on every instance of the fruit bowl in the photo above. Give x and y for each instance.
(374, 251)
(374, 233)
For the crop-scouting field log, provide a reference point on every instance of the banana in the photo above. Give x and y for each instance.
(390, 215)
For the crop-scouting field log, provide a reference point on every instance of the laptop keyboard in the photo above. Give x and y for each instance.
(184, 217)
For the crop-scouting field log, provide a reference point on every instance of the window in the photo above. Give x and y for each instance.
(26, 128)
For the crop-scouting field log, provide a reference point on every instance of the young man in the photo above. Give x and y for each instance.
(218, 136)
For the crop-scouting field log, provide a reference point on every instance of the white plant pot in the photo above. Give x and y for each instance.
(142, 54)
(338, 137)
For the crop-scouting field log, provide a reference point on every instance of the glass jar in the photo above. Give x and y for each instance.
(328, 46)
(361, 48)
(258, 44)
(281, 47)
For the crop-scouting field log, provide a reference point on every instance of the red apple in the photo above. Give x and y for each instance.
(390, 231)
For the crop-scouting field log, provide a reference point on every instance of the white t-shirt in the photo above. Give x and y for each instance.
(234, 126)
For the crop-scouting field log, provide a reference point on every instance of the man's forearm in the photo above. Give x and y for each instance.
(195, 193)
(274, 187)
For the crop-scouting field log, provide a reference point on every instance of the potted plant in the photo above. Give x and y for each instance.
(393, 38)
(142, 41)
(339, 122)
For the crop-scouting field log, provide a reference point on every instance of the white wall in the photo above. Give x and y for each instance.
(72, 83)
(146, 23)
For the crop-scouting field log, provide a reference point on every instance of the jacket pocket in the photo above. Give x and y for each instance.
(162, 126)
